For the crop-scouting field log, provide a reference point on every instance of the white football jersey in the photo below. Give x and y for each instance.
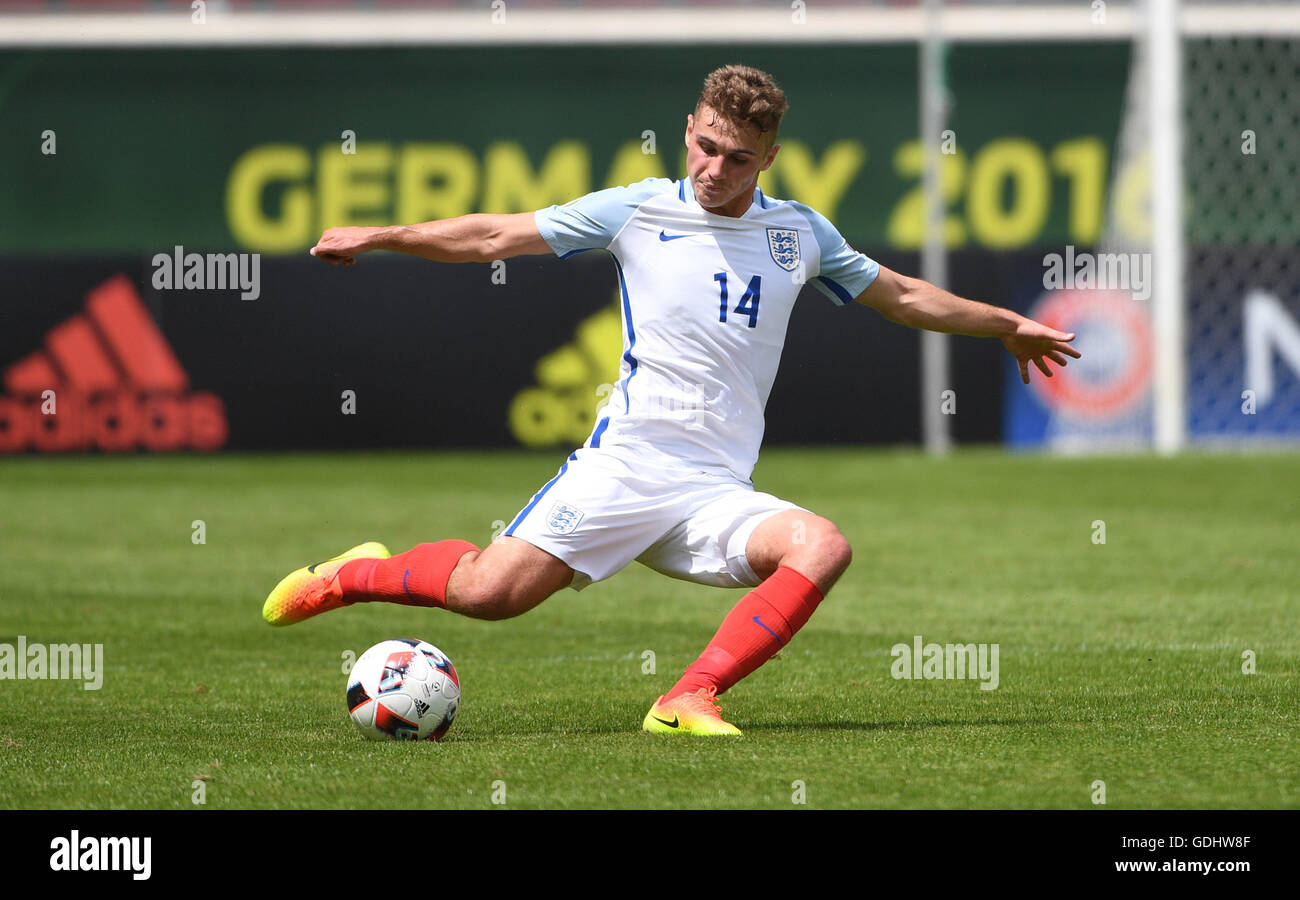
(706, 300)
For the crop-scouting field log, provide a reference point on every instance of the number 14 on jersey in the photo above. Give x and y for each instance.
(748, 305)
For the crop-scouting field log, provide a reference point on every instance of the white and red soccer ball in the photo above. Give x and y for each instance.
(403, 689)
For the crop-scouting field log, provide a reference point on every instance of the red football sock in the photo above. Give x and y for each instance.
(762, 623)
(417, 577)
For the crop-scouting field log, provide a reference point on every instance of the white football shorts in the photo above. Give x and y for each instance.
(609, 506)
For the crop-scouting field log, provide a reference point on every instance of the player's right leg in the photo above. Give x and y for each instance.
(312, 589)
(506, 579)
(595, 516)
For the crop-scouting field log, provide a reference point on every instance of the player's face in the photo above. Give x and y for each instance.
(724, 162)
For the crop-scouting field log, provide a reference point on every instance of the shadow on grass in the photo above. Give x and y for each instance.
(768, 726)
(756, 729)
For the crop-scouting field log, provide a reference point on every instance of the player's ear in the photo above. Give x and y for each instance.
(771, 155)
(690, 128)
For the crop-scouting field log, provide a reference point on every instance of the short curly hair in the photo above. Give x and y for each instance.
(745, 97)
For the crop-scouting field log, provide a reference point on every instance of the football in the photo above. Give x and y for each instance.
(403, 689)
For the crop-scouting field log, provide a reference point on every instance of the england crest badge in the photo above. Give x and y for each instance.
(784, 245)
(563, 518)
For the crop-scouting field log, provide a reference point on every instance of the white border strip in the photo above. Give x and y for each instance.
(664, 26)
(613, 26)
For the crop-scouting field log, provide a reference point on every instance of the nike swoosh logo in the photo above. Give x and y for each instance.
(664, 236)
(672, 724)
(312, 567)
(759, 623)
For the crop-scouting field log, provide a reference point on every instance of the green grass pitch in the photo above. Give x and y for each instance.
(1119, 662)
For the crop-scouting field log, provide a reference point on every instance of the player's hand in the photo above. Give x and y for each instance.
(339, 246)
(1036, 343)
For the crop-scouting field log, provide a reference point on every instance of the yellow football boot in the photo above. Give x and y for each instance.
(314, 589)
(695, 713)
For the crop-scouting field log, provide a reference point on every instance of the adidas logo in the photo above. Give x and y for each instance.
(107, 379)
(572, 382)
(420, 709)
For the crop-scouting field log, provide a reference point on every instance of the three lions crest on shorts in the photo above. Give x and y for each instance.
(563, 518)
(784, 245)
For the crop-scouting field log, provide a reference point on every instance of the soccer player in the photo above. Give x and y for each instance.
(708, 272)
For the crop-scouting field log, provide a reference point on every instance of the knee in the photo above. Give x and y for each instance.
(818, 550)
(833, 548)
(826, 551)
(483, 595)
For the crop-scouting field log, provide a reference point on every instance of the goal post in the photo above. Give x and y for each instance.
(1163, 36)
(932, 83)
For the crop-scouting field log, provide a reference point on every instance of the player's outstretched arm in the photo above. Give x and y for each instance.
(919, 304)
(479, 237)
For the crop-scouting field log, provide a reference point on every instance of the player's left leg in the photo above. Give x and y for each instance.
(797, 557)
(799, 540)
